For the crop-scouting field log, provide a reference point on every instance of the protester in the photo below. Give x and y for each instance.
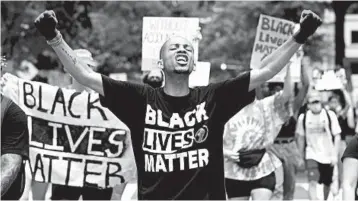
(318, 133)
(345, 113)
(285, 146)
(62, 192)
(249, 168)
(154, 78)
(175, 154)
(350, 170)
(14, 149)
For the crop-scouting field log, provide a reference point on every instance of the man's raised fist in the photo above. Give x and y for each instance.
(309, 23)
(46, 23)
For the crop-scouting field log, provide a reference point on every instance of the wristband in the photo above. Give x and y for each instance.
(55, 41)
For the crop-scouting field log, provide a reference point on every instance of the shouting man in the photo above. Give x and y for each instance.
(177, 131)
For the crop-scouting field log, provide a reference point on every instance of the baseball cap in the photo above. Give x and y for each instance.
(314, 96)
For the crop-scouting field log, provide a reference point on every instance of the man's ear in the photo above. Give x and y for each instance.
(160, 64)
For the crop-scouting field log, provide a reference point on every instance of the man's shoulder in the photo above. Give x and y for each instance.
(301, 116)
(14, 112)
(331, 113)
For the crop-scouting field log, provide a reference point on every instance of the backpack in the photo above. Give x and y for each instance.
(329, 123)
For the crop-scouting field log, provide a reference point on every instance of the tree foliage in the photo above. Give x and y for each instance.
(112, 30)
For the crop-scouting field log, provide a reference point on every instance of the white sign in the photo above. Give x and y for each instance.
(201, 75)
(74, 141)
(119, 76)
(329, 81)
(271, 33)
(157, 30)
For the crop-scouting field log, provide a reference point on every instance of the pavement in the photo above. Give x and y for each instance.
(129, 193)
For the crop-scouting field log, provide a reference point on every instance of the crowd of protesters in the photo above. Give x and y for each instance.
(265, 127)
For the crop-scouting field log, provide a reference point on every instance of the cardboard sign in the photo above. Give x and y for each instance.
(157, 30)
(328, 80)
(119, 76)
(201, 75)
(271, 33)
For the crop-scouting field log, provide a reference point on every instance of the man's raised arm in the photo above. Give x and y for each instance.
(46, 23)
(274, 62)
(299, 99)
(287, 86)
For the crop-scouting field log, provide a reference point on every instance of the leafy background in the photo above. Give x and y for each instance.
(112, 31)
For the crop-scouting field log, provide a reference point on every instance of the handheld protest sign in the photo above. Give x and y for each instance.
(200, 77)
(157, 30)
(271, 33)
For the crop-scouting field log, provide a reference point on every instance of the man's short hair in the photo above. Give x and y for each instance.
(165, 44)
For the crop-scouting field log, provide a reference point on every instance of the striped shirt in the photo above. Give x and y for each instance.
(255, 127)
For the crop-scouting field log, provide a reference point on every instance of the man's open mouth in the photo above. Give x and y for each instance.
(182, 59)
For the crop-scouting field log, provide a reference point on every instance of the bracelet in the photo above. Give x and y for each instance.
(55, 41)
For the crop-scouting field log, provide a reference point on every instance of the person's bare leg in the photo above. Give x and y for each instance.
(312, 192)
(240, 198)
(326, 190)
(28, 183)
(261, 194)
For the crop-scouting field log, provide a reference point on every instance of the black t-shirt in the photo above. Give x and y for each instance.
(288, 129)
(178, 141)
(346, 131)
(14, 140)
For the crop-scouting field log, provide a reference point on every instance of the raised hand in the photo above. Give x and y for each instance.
(309, 23)
(46, 23)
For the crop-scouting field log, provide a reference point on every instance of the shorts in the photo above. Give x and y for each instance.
(240, 188)
(60, 192)
(322, 173)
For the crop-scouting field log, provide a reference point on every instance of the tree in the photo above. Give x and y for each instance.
(112, 31)
(229, 37)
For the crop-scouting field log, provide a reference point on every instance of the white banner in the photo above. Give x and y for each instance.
(74, 141)
(119, 76)
(271, 33)
(201, 75)
(156, 30)
(329, 80)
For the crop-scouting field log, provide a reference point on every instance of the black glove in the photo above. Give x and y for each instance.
(46, 23)
(309, 23)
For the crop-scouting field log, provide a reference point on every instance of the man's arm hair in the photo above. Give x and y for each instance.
(273, 63)
(78, 69)
(10, 167)
(305, 80)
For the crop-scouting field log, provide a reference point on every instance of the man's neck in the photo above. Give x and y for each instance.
(177, 85)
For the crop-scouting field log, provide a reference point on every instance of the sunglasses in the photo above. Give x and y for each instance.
(314, 102)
